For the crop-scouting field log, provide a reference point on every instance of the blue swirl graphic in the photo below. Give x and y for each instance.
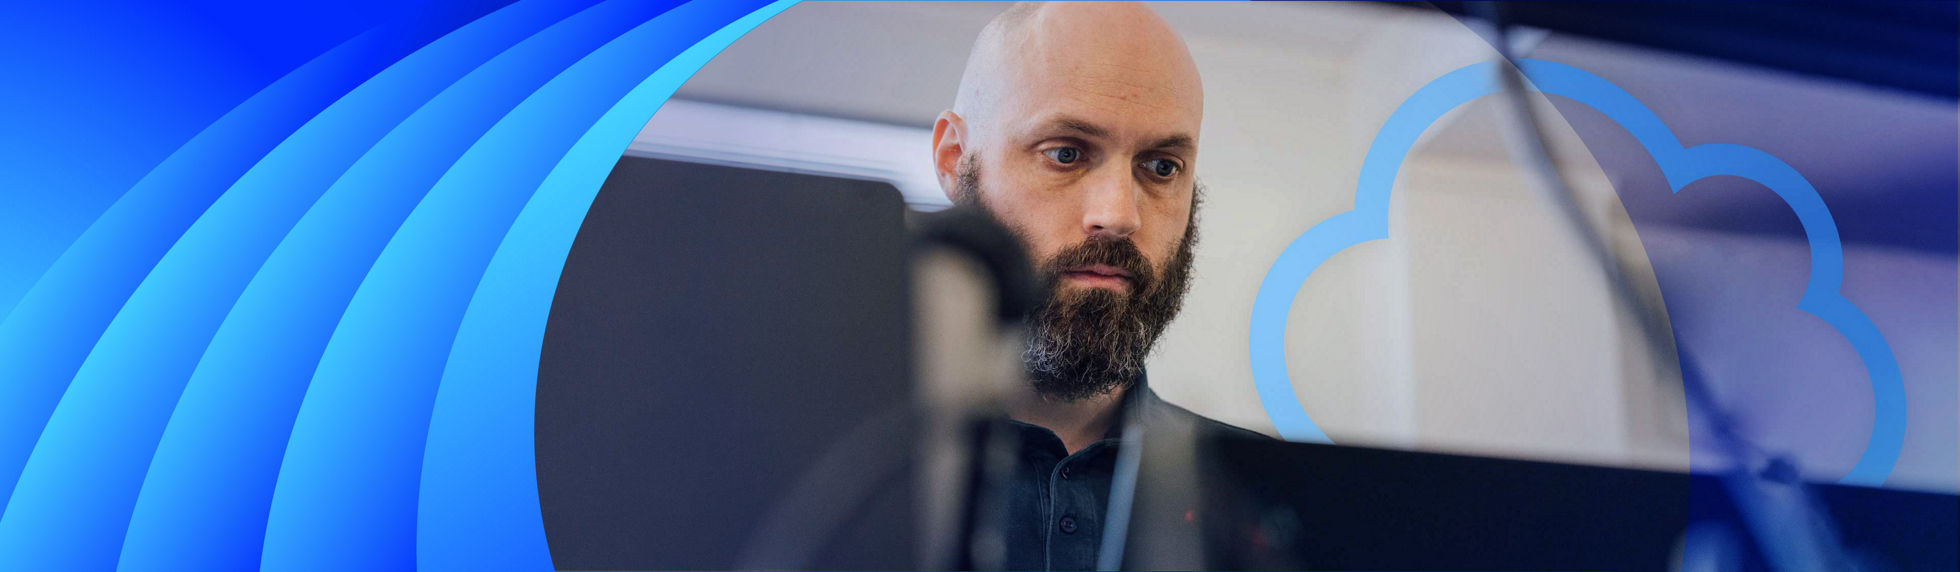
(479, 479)
(56, 323)
(237, 410)
(247, 359)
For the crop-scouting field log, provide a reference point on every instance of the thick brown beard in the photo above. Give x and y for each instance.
(1084, 344)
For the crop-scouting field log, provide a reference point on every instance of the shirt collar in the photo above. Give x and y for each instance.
(1137, 401)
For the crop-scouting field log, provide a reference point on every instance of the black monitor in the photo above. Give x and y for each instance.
(1278, 505)
(716, 332)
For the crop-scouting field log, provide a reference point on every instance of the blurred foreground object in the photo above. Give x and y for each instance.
(720, 338)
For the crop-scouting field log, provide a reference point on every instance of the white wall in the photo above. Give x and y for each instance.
(1477, 327)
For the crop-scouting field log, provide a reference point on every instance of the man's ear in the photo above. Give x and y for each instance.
(948, 145)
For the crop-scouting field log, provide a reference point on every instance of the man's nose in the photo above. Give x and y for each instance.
(1110, 204)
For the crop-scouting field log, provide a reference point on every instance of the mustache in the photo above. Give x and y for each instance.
(1116, 252)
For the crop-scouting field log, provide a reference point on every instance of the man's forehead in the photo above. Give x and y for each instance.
(1103, 98)
(1114, 66)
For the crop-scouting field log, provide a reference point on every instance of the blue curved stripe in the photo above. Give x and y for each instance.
(479, 497)
(1681, 166)
(1367, 221)
(72, 505)
(346, 493)
(1822, 296)
(204, 501)
(51, 329)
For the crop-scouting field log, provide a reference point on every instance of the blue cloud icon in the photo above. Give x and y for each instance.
(1368, 221)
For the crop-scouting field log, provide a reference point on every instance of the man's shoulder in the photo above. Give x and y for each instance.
(1165, 411)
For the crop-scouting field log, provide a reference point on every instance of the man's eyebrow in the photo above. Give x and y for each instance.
(1087, 129)
(1079, 126)
(1178, 141)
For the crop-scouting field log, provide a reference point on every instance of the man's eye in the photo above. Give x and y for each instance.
(1164, 168)
(1064, 155)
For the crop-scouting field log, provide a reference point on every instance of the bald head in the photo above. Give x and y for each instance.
(1087, 50)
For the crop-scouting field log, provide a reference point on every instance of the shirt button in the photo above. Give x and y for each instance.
(1068, 525)
(1066, 471)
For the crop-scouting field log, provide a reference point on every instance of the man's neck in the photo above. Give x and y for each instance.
(1078, 423)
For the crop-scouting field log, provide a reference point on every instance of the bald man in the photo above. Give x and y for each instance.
(1076, 125)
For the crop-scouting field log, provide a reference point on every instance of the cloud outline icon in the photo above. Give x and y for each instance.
(1368, 221)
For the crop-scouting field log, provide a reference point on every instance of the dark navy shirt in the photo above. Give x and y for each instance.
(1056, 500)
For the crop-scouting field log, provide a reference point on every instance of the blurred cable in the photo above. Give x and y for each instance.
(1768, 490)
(1122, 495)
